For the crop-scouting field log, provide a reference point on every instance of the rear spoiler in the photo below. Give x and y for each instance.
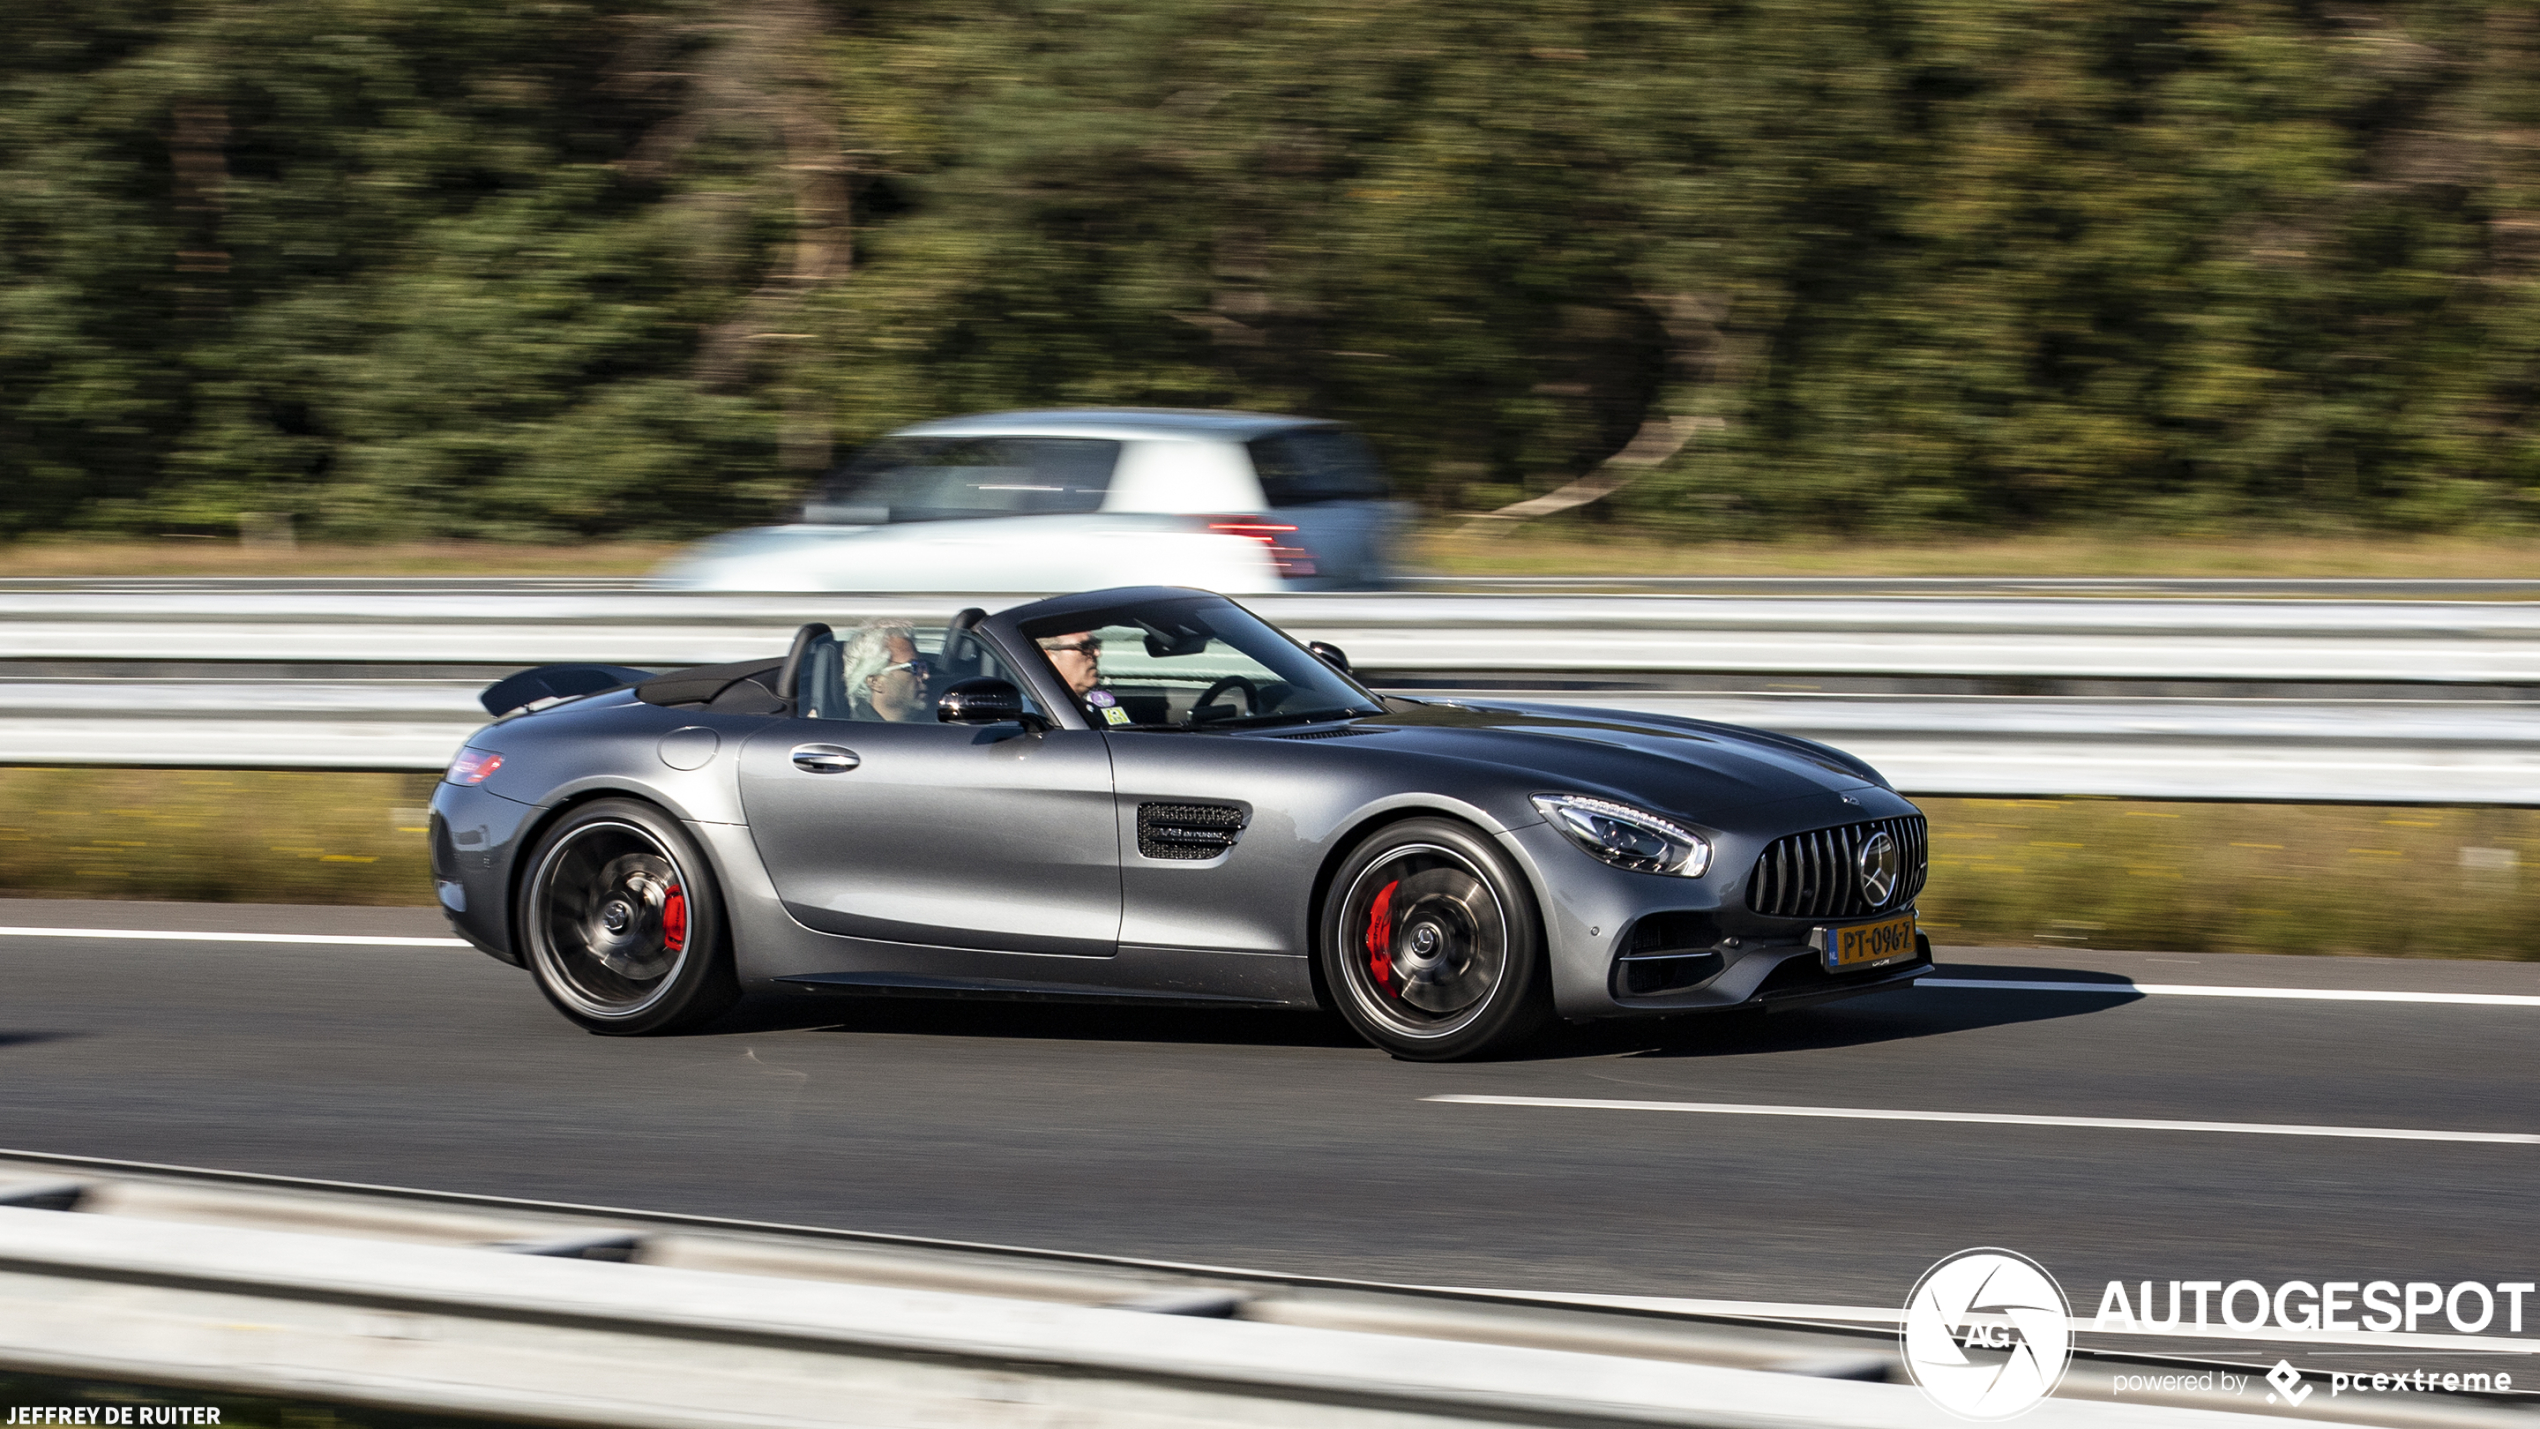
(514, 693)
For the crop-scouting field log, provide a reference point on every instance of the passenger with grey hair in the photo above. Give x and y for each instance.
(884, 676)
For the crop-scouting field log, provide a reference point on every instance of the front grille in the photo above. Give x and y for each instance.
(1191, 831)
(1816, 874)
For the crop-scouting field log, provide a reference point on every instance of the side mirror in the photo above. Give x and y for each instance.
(984, 700)
(1331, 654)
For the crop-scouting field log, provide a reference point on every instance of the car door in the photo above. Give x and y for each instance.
(987, 837)
(1220, 837)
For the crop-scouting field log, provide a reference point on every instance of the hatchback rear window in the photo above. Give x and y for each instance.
(952, 478)
(1317, 464)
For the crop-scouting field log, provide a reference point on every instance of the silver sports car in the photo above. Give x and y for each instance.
(1150, 795)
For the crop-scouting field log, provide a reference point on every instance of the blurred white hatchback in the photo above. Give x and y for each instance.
(1237, 502)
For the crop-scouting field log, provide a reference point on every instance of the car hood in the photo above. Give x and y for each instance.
(1665, 763)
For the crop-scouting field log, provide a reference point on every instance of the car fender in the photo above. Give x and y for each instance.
(1352, 829)
(611, 747)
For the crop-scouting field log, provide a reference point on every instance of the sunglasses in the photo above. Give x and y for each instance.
(1081, 647)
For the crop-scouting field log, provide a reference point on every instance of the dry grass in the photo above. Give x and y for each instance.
(2237, 878)
(73, 559)
(220, 836)
(2257, 878)
(1553, 551)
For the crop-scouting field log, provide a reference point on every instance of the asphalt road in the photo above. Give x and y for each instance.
(1274, 1142)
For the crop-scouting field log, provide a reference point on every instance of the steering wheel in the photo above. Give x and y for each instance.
(1208, 697)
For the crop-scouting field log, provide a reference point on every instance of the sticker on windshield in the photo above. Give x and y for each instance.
(1115, 715)
(1101, 699)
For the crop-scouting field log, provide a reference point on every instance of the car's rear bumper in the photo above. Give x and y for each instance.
(474, 839)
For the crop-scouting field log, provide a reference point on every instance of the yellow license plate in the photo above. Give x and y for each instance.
(1866, 944)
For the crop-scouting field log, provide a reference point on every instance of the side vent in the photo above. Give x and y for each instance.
(1344, 732)
(1188, 831)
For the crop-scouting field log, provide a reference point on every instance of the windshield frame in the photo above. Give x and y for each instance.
(1027, 632)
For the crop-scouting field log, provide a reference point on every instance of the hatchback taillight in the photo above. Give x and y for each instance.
(1287, 551)
(472, 766)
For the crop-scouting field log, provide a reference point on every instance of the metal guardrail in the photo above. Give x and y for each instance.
(2365, 751)
(2412, 642)
(2110, 696)
(2144, 587)
(2155, 587)
(564, 1315)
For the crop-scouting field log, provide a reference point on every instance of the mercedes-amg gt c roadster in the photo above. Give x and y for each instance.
(1150, 795)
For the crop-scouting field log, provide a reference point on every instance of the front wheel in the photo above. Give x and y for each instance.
(621, 922)
(1432, 946)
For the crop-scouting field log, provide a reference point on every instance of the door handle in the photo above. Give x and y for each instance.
(824, 759)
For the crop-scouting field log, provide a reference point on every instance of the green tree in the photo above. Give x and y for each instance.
(638, 266)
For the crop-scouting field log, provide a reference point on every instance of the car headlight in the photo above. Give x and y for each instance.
(1627, 837)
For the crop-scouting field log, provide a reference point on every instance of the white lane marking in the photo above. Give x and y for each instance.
(337, 940)
(2189, 989)
(2104, 1123)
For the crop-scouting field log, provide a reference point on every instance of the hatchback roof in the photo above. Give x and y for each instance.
(1117, 422)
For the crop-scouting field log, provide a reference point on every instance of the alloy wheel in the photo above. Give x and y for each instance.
(1428, 940)
(609, 918)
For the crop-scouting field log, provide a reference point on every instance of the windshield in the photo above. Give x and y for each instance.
(953, 478)
(1201, 663)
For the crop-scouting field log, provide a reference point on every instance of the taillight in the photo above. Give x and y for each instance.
(1287, 552)
(472, 766)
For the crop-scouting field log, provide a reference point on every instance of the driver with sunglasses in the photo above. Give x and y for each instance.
(1077, 657)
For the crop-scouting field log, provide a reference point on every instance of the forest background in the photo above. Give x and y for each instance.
(558, 270)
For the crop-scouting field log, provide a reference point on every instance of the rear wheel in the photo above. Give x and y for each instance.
(621, 922)
(1432, 946)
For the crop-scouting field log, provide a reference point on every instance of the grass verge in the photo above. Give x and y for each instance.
(71, 560)
(2101, 873)
(215, 835)
(2233, 878)
(1566, 550)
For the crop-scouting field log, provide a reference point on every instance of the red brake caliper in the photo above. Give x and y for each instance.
(1380, 936)
(674, 919)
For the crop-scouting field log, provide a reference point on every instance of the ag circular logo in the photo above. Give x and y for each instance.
(1878, 863)
(1987, 1334)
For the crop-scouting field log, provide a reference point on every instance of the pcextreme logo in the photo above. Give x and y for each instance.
(1987, 1334)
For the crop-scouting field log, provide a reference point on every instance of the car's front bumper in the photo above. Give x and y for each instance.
(1724, 955)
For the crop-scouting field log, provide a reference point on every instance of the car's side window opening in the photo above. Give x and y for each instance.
(1204, 684)
(889, 672)
(1192, 665)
